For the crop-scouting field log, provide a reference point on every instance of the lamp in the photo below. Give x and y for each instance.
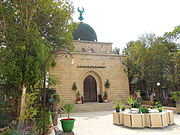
(158, 84)
(72, 60)
(44, 83)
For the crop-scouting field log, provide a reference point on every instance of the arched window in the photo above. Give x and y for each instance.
(92, 50)
(83, 50)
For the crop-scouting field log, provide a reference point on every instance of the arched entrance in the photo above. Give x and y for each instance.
(90, 89)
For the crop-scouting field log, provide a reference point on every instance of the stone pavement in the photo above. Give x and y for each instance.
(101, 123)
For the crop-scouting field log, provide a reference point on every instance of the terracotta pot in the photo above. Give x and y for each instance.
(79, 101)
(105, 99)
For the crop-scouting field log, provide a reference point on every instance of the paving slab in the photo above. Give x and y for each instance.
(101, 123)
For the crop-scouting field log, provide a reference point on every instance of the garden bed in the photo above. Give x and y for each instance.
(141, 120)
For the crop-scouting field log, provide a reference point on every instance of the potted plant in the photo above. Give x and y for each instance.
(117, 106)
(159, 106)
(143, 110)
(74, 86)
(105, 96)
(107, 84)
(100, 98)
(160, 109)
(122, 108)
(68, 123)
(137, 103)
(131, 102)
(79, 98)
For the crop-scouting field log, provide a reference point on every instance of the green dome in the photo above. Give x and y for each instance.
(84, 32)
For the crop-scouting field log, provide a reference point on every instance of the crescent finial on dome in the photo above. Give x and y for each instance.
(81, 13)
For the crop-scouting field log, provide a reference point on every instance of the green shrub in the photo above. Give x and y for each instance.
(10, 132)
(137, 103)
(122, 108)
(39, 122)
(131, 101)
(160, 109)
(69, 108)
(5, 118)
(175, 95)
(143, 110)
(158, 104)
(117, 104)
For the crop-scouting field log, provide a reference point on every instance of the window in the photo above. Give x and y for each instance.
(83, 50)
(92, 50)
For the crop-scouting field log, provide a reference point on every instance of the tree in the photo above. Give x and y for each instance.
(135, 53)
(29, 32)
(173, 38)
(177, 59)
(152, 59)
(116, 50)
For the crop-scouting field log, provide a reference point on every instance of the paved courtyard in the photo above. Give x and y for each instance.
(101, 123)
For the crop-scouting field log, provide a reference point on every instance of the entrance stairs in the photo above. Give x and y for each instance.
(93, 107)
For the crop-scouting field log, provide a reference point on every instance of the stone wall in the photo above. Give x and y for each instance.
(98, 47)
(100, 66)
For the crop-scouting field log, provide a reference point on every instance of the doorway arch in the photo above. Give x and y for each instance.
(90, 89)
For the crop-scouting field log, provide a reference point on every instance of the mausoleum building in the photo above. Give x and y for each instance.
(94, 66)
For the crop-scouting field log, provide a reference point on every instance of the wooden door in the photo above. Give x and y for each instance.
(90, 89)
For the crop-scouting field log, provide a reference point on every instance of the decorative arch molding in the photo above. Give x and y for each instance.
(98, 77)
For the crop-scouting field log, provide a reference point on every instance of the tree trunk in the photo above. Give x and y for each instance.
(22, 108)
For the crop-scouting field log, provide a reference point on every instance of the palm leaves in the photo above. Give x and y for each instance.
(131, 101)
(69, 108)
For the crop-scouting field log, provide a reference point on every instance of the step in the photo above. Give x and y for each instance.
(91, 107)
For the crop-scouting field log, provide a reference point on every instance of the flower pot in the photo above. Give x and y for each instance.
(67, 124)
(78, 99)
(100, 98)
(79, 102)
(105, 99)
(117, 109)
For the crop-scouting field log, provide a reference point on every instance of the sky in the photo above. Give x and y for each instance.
(121, 21)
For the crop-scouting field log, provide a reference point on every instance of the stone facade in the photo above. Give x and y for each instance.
(88, 46)
(95, 59)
